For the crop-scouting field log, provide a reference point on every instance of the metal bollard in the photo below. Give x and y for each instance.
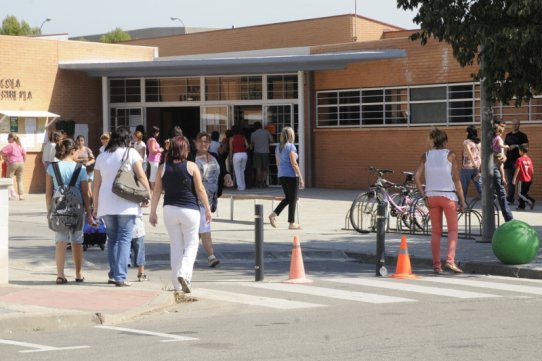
(258, 228)
(380, 239)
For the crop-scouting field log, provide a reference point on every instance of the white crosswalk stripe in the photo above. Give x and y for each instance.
(484, 284)
(393, 284)
(278, 303)
(329, 292)
(362, 287)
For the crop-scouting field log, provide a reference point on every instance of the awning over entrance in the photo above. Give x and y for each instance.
(28, 114)
(252, 62)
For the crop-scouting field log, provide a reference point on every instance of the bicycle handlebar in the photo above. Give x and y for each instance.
(380, 172)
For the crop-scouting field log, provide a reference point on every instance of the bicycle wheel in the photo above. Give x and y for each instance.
(363, 212)
(419, 213)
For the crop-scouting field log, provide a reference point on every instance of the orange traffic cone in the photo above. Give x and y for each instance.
(403, 269)
(297, 270)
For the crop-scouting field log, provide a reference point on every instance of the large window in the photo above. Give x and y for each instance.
(126, 117)
(438, 104)
(125, 90)
(282, 87)
(233, 88)
(364, 107)
(172, 90)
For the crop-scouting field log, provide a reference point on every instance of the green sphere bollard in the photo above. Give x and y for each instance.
(515, 242)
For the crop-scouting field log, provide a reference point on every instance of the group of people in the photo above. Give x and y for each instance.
(446, 184)
(190, 182)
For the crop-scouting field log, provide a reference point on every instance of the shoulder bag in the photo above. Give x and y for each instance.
(126, 184)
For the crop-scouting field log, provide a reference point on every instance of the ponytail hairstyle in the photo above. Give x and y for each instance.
(286, 136)
(438, 138)
(15, 138)
(65, 148)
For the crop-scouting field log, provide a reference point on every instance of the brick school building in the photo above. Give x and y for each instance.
(357, 91)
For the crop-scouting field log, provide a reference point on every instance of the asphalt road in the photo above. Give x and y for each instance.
(345, 314)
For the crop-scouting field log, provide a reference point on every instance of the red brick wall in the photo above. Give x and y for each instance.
(342, 156)
(73, 95)
(328, 30)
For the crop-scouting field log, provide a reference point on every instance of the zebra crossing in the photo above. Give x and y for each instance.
(370, 290)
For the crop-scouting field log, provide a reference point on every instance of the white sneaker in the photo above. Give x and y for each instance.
(213, 261)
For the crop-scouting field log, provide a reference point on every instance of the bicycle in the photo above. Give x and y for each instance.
(363, 209)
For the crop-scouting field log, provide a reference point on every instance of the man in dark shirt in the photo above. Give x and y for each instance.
(513, 139)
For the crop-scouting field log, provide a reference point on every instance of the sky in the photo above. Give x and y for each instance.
(87, 17)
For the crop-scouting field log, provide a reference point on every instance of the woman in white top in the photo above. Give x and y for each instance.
(442, 192)
(49, 149)
(118, 213)
(141, 147)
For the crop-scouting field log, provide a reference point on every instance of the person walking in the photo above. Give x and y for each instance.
(137, 254)
(238, 154)
(523, 177)
(141, 148)
(259, 142)
(15, 156)
(513, 140)
(470, 169)
(85, 157)
(118, 213)
(214, 177)
(290, 177)
(441, 193)
(67, 155)
(181, 182)
(155, 154)
(49, 150)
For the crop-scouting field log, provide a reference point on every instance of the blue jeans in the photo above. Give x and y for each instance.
(138, 251)
(500, 194)
(468, 175)
(119, 230)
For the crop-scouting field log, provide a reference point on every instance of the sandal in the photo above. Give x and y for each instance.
(61, 280)
(80, 280)
(437, 270)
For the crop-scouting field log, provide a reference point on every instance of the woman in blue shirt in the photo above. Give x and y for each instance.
(290, 177)
(66, 151)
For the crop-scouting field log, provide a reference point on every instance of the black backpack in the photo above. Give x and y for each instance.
(67, 209)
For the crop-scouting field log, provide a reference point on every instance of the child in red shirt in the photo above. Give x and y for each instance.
(523, 177)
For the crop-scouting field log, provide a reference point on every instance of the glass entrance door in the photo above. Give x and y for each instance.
(215, 118)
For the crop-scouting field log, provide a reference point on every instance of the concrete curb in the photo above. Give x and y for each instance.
(482, 268)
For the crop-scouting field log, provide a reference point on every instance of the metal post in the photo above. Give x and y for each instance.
(258, 227)
(381, 212)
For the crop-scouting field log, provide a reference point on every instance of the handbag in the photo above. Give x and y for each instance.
(126, 184)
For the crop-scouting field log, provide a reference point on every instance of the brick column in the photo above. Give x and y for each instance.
(4, 213)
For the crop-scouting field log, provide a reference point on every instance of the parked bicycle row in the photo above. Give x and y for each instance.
(403, 203)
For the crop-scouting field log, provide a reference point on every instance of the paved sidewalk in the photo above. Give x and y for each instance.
(32, 301)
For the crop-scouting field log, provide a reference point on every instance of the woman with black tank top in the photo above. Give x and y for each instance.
(181, 182)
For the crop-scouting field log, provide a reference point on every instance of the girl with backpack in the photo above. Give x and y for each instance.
(66, 152)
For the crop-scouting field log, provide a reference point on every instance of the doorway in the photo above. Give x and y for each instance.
(188, 118)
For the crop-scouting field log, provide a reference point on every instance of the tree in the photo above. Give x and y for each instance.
(11, 26)
(505, 38)
(115, 36)
(509, 30)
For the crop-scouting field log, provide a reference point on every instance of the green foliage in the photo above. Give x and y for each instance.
(509, 32)
(115, 36)
(12, 26)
